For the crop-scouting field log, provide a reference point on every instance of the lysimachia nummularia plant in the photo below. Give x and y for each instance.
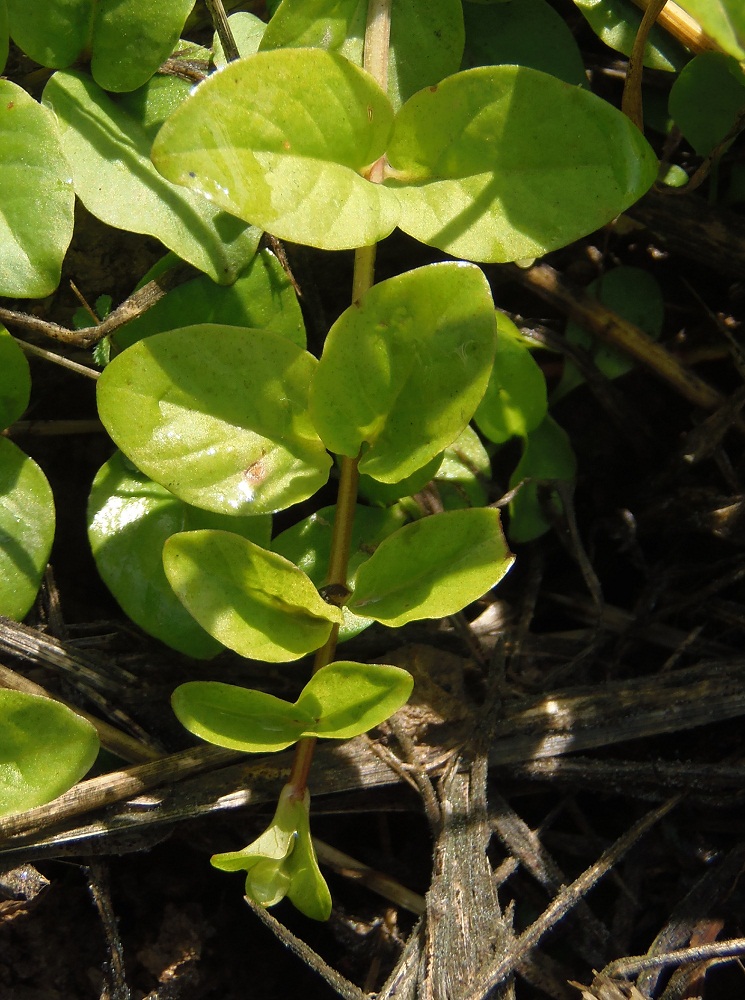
(339, 122)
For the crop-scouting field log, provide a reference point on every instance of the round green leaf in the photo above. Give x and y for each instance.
(522, 32)
(261, 143)
(433, 567)
(238, 718)
(252, 600)
(26, 529)
(345, 699)
(44, 749)
(483, 168)
(247, 29)
(35, 179)
(261, 297)
(426, 41)
(126, 41)
(15, 380)
(464, 471)
(218, 416)
(722, 20)
(706, 98)
(616, 22)
(515, 400)
(547, 455)
(403, 370)
(109, 155)
(129, 519)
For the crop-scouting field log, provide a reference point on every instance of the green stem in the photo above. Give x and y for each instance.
(377, 36)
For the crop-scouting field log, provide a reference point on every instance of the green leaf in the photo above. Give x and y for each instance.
(248, 30)
(44, 749)
(706, 99)
(290, 158)
(238, 718)
(432, 568)
(126, 41)
(547, 455)
(308, 545)
(426, 40)
(155, 100)
(403, 370)
(515, 400)
(632, 293)
(386, 494)
(26, 529)
(261, 297)
(307, 891)
(129, 519)
(465, 470)
(525, 32)
(3, 34)
(108, 152)
(722, 20)
(345, 699)
(218, 416)
(33, 168)
(483, 169)
(616, 22)
(252, 600)
(15, 380)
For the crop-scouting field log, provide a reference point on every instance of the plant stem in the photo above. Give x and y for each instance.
(377, 36)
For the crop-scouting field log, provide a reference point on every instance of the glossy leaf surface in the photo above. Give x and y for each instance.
(547, 455)
(15, 380)
(403, 371)
(129, 519)
(426, 41)
(108, 152)
(706, 99)
(218, 416)
(44, 749)
(26, 529)
(126, 41)
(261, 143)
(483, 169)
(34, 170)
(252, 600)
(515, 400)
(433, 567)
(616, 23)
(722, 20)
(261, 297)
(346, 699)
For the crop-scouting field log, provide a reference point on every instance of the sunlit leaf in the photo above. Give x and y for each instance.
(44, 749)
(217, 415)
(616, 22)
(15, 380)
(247, 29)
(26, 529)
(346, 699)
(36, 184)
(403, 370)
(108, 152)
(129, 519)
(290, 158)
(252, 600)
(433, 567)
(722, 20)
(3, 34)
(483, 168)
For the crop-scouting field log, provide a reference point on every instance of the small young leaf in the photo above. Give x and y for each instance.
(426, 40)
(108, 153)
(432, 568)
(706, 99)
(483, 169)
(238, 718)
(515, 399)
(722, 20)
(217, 415)
(15, 380)
(261, 297)
(403, 370)
(44, 749)
(129, 519)
(345, 699)
(248, 30)
(26, 529)
(250, 599)
(526, 33)
(290, 158)
(307, 891)
(616, 22)
(547, 455)
(35, 179)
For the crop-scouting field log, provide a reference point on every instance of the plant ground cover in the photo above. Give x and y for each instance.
(592, 703)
